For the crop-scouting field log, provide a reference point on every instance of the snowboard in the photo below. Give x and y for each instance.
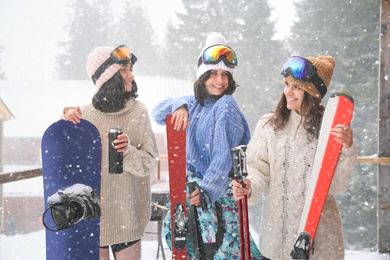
(71, 154)
(338, 110)
(176, 144)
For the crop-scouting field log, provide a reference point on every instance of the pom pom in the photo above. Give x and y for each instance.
(215, 38)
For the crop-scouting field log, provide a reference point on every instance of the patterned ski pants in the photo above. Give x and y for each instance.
(208, 222)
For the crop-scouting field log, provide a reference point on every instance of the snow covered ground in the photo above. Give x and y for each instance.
(32, 247)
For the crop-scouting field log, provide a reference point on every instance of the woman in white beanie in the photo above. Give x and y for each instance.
(214, 124)
(125, 197)
(279, 159)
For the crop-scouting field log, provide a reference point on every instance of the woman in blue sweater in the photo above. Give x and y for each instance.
(214, 124)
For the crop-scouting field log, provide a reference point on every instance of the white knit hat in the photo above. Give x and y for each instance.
(213, 39)
(96, 59)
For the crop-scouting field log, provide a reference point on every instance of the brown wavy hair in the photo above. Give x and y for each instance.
(311, 114)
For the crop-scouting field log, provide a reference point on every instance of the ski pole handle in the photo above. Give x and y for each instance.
(239, 171)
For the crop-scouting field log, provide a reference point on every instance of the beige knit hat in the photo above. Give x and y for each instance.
(325, 66)
(95, 60)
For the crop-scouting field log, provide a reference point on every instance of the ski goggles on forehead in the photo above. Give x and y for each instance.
(215, 53)
(303, 70)
(120, 55)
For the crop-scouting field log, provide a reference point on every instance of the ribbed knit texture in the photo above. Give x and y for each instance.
(213, 39)
(96, 59)
(215, 128)
(325, 66)
(279, 165)
(125, 197)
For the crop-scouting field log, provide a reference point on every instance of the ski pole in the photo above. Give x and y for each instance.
(239, 173)
(236, 176)
(199, 251)
(245, 202)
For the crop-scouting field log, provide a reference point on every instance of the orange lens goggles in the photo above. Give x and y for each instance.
(122, 54)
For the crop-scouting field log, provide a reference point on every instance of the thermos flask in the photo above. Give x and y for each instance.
(115, 157)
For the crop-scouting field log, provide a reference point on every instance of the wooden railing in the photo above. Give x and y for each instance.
(32, 173)
(379, 160)
(20, 175)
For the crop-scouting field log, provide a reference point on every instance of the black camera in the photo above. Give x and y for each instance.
(72, 205)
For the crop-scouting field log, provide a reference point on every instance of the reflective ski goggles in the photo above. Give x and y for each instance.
(303, 70)
(120, 55)
(215, 53)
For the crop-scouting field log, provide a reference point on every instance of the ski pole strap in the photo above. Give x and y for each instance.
(212, 248)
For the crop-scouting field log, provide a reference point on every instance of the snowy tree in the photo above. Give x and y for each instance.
(261, 58)
(89, 27)
(249, 31)
(349, 31)
(135, 31)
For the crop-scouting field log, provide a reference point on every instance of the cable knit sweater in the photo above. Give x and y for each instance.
(279, 166)
(215, 128)
(125, 198)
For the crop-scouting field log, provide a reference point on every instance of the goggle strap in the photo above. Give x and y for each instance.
(102, 69)
(319, 84)
(200, 61)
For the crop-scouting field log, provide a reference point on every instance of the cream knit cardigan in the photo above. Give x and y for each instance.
(125, 198)
(279, 166)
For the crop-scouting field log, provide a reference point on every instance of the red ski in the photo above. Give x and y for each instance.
(176, 142)
(339, 110)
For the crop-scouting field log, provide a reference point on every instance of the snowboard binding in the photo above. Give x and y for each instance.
(72, 205)
(179, 227)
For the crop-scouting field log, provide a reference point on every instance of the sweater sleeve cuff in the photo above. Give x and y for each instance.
(350, 150)
(177, 103)
(128, 145)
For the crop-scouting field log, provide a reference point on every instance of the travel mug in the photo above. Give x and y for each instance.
(115, 157)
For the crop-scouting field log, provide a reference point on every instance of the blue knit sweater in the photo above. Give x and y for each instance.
(215, 128)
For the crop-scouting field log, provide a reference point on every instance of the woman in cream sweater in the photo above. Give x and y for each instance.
(280, 157)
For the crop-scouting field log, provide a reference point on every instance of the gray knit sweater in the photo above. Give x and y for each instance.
(125, 198)
(279, 166)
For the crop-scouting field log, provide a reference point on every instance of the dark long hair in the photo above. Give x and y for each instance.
(311, 115)
(112, 96)
(201, 92)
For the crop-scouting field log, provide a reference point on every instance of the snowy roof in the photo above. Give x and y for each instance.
(5, 114)
(37, 104)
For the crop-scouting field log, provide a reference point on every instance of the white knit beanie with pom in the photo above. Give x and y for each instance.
(213, 39)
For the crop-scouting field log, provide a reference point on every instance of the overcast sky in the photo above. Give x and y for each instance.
(30, 31)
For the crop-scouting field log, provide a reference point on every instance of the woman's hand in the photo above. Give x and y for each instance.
(180, 118)
(73, 114)
(343, 135)
(194, 198)
(122, 143)
(239, 192)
